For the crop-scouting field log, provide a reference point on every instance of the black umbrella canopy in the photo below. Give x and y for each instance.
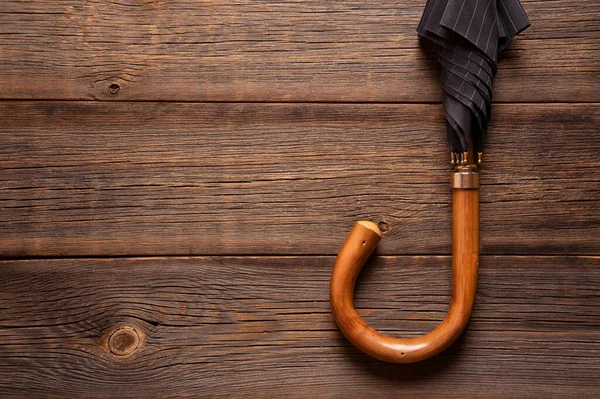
(467, 36)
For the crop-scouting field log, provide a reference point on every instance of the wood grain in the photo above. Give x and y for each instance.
(82, 178)
(262, 327)
(246, 50)
(108, 179)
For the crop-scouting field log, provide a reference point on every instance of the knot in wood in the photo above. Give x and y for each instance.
(124, 341)
(383, 226)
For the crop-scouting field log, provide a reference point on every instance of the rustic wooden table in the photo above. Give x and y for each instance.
(177, 177)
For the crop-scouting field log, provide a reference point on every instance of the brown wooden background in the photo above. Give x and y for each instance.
(190, 169)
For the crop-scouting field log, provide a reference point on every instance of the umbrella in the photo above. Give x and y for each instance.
(467, 36)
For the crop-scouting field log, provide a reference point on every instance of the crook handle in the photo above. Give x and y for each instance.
(359, 245)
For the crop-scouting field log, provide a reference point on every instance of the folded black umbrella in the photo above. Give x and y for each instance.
(467, 36)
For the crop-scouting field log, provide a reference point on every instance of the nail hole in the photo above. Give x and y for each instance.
(114, 88)
(401, 353)
(364, 242)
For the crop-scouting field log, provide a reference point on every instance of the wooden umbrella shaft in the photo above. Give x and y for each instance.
(360, 244)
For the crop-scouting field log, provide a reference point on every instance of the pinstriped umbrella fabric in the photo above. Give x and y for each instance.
(467, 36)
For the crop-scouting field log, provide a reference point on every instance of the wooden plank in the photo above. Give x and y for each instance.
(83, 178)
(315, 50)
(261, 327)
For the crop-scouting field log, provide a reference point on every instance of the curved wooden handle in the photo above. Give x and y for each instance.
(359, 245)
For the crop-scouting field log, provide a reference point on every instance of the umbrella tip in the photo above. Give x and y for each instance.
(370, 225)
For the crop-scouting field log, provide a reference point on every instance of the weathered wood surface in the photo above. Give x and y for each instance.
(262, 327)
(81, 178)
(245, 50)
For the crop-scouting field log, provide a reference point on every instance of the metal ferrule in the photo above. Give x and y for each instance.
(465, 177)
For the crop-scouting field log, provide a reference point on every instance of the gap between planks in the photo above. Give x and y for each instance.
(175, 256)
(284, 102)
